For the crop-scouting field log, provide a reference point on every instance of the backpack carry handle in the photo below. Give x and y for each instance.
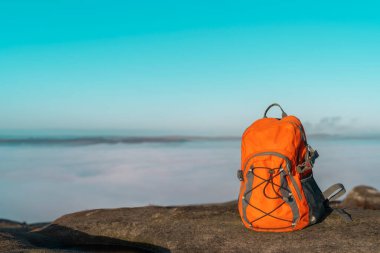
(275, 104)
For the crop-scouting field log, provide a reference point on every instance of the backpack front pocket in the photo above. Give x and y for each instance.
(267, 202)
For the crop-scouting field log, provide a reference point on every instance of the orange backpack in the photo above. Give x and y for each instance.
(278, 192)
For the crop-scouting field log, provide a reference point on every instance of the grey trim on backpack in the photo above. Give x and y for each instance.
(288, 197)
(247, 196)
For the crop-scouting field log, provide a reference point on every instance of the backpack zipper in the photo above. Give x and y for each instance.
(303, 135)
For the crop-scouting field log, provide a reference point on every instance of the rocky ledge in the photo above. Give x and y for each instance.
(197, 228)
(362, 197)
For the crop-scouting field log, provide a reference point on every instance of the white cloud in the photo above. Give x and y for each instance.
(332, 125)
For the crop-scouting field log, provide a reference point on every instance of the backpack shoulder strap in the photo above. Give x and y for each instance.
(334, 192)
(343, 213)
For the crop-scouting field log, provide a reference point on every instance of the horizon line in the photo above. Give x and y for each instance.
(119, 139)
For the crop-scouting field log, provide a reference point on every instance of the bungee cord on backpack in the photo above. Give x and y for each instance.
(267, 182)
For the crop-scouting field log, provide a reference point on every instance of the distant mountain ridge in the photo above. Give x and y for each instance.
(107, 140)
(92, 140)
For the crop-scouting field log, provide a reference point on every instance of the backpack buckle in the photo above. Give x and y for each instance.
(300, 168)
(240, 175)
(304, 167)
(311, 155)
(314, 156)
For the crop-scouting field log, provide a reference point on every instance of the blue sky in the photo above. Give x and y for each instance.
(188, 67)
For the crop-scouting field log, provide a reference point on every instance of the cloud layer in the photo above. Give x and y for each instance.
(41, 183)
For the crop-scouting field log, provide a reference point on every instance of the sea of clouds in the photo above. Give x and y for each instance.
(40, 183)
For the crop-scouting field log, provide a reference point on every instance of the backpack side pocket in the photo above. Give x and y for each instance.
(315, 199)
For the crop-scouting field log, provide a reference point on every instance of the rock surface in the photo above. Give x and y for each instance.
(198, 228)
(201, 228)
(362, 197)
